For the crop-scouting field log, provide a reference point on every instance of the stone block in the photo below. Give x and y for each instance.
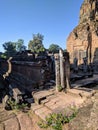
(12, 124)
(25, 122)
(2, 126)
(34, 107)
(39, 96)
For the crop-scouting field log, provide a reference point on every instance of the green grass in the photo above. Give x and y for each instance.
(57, 120)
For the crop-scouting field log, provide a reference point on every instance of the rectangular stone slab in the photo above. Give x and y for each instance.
(38, 96)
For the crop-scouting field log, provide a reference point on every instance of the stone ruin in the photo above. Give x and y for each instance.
(31, 72)
(82, 41)
(27, 72)
(62, 70)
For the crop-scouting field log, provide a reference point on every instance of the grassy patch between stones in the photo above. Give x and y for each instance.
(57, 120)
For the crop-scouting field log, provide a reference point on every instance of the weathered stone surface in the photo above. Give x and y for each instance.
(12, 124)
(62, 68)
(85, 82)
(43, 112)
(82, 92)
(87, 118)
(82, 41)
(25, 122)
(27, 73)
(40, 110)
(57, 71)
(38, 96)
(34, 107)
(81, 123)
(93, 121)
(5, 116)
(1, 126)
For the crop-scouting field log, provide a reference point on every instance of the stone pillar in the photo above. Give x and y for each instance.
(89, 46)
(62, 68)
(57, 71)
(67, 70)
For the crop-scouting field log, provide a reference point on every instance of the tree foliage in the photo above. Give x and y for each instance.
(54, 48)
(20, 45)
(12, 47)
(36, 45)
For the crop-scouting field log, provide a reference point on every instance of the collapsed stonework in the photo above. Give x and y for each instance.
(62, 70)
(82, 41)
(27, 71)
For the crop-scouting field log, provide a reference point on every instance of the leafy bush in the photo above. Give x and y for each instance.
(59, 88)
(14, 105)
(56, 120)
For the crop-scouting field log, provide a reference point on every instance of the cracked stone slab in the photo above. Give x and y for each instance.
(25, 121)
(38, 96)
(12, 124)
(2, 126)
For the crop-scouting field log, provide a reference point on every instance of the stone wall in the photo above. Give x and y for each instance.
(83, 40)
(26, 74)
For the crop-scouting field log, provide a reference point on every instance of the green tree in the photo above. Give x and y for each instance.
(65, 50)
(54, 48)
(36, 45)
(10, 48)
(20, 45)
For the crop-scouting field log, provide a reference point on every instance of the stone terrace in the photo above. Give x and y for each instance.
(12, 121)
(49, 101)
(46, 102)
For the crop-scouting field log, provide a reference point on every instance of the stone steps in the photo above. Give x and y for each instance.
(54, 103)
(8, 121)
(12, 124)
(12, 121)
(41, 111)
(25, 121)
(41, 95)
(82, 92)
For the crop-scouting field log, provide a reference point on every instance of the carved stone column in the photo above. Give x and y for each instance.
(62, 68)
(57, 71)
(67, 70)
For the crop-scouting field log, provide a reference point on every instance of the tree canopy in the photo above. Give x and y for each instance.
(36, 45)
(20, 45)
(54, 48)
(12, 47)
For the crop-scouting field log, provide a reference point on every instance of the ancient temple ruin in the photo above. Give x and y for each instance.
(83, 40)
(26, 71)
(29, 72)
(62, 70)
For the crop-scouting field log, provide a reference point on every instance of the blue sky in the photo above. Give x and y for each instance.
(54, 19)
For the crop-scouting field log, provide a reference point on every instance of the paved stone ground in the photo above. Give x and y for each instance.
(50, 101)
(86, 81)
(87, 118)
(11, 121)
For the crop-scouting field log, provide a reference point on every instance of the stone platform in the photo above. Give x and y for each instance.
(50, 101)
(47, 102)
(11, 121)
(86, 81)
